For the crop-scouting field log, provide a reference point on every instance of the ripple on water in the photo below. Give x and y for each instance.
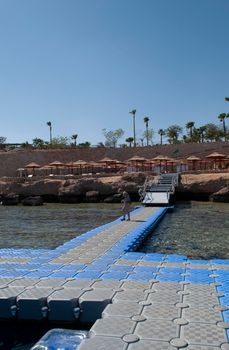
(50, 225)
(199, 230)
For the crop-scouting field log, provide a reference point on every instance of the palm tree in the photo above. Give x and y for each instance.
(74, 137)
(202, 130)
(173, 132)
(190, 126)
(161, 132)
(134, 112)
(130, 140)
(50, 131)
(222, 117)
(142, 140)
(146, 121)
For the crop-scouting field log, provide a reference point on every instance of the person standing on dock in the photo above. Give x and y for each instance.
(126, 206)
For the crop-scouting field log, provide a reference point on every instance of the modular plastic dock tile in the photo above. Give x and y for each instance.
(200, 347)
(160, 329)
(12, 274)
(202, 314)
(154, 256)
(8, 297)
(170, 278)
(172, 270)
(131, 295)
(32, 303)
(24, 282)
(78, 283)
(103, 343)
(201, 299)
(4, 281)
(107, 284)
(62, 274)
(157, 264)
(160, 311)
(117, 268)
(38, 274)
(132, 256)
(119, 275)
(123, 309)
(92, 304)
(165, 298)
(203, 334)
(88, 275)
(165, 287)
(136, 285)
(63, 304)
(140, 277)
(146, 269)
(151, 345)
(73, 267)
(127, 262)
(50, 282)
(226, 316)
(200, 288)
(113, 326)
(199, 279)
(176, 258)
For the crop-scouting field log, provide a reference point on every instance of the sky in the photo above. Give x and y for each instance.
(85, 64)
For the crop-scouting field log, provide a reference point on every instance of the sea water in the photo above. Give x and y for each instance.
(50, 225)
(199, 230)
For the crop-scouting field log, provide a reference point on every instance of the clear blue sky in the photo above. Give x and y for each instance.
(84, 64)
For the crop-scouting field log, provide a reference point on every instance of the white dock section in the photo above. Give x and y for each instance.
(160, 192)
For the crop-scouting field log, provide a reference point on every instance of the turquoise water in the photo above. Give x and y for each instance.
(199, 230)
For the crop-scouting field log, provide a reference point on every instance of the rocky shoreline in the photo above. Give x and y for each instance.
(214, 187)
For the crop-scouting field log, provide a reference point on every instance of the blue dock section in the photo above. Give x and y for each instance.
(132, 300)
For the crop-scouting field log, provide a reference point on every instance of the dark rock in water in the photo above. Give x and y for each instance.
(33, 201)
(10, 199)
(220, 196)
(92, 196)
(116, 198)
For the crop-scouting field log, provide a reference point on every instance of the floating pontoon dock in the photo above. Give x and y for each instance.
(133, 301)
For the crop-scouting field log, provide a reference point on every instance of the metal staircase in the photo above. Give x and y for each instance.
(160, 192)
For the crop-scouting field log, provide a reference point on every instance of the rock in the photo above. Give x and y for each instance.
(32, 201)
(92, 196)
(221, 195)
(10, 199)
(116, 198)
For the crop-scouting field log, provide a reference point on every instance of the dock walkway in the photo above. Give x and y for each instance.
(134, 301)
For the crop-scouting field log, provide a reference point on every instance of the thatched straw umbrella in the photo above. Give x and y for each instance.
(107, 162)
(160, 158)
(32, 166)
(193, 160)
(80, 164)
(57, 165)
(47, 169)
(217, 158)
(136, 160)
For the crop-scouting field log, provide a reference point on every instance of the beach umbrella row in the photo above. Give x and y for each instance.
(135, 161)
